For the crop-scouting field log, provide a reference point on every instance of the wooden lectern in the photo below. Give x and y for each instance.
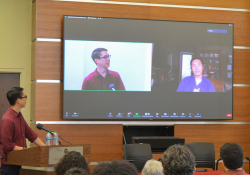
(38, 159)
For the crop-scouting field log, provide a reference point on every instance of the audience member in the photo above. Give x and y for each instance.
(232, 158)
(76, 171)
(115, 168)
(178, 160)
(70, 160)
(152, 167)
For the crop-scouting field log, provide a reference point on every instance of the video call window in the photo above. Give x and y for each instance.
(132, 62)
(133, 69)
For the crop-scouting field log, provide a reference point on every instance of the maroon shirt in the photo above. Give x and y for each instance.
(235, 172)
(13, 132)
(95, 81)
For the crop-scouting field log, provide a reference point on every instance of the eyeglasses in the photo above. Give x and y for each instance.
(106, 56)
(24, 97)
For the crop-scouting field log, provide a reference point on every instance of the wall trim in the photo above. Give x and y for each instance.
(49, 39)
(139, 123)
(158, 5)
(48, 81)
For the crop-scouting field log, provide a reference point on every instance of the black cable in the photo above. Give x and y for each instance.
(217, 163)
(160, 131)
(166, 130)
(63, 140)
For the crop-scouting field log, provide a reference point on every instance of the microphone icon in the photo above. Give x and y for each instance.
(112, 87)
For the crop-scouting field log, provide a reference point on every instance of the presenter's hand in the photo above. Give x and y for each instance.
(16, 148)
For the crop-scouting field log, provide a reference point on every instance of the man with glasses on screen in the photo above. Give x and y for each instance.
(14, 130)
(102, 78)
(196, 83)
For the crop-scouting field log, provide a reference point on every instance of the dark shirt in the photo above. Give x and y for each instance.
(95, 81)
(188, 84)
(236, 172)
(13, 132)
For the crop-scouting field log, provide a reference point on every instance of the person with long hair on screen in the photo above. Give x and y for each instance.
(197, 82)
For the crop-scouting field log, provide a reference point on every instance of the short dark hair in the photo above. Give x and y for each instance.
(76, 171)
(232, 155)
(178, 159)
(13, 94)
(70, 160)
(97, 53)
(115, 168)
(196, 58)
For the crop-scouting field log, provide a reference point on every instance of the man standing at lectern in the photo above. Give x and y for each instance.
(14, 130)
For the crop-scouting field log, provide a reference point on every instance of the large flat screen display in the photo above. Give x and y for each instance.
(132, 69)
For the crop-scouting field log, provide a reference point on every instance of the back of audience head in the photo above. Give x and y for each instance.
(178, 160)
(115, 168)
(232, 155)
(76, 171)
(70, 160)
(152, 167)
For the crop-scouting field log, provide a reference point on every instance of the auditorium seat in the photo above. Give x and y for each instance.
(138, 154)
(248, 158)
(204, 154)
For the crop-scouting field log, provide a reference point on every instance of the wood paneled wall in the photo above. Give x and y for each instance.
(217, 134)
(106, 140)
(50, 15)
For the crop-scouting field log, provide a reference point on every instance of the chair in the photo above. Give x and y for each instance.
(138, 154)
(204, 154)
(248, 158)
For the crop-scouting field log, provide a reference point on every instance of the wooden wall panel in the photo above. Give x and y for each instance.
(33, 61)
(240, 19)
(105, 140)
(33, 102)
(241, 66)
(48, 101)
(217, 134)
(49, 60)
(241, 104)
(49, 16)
